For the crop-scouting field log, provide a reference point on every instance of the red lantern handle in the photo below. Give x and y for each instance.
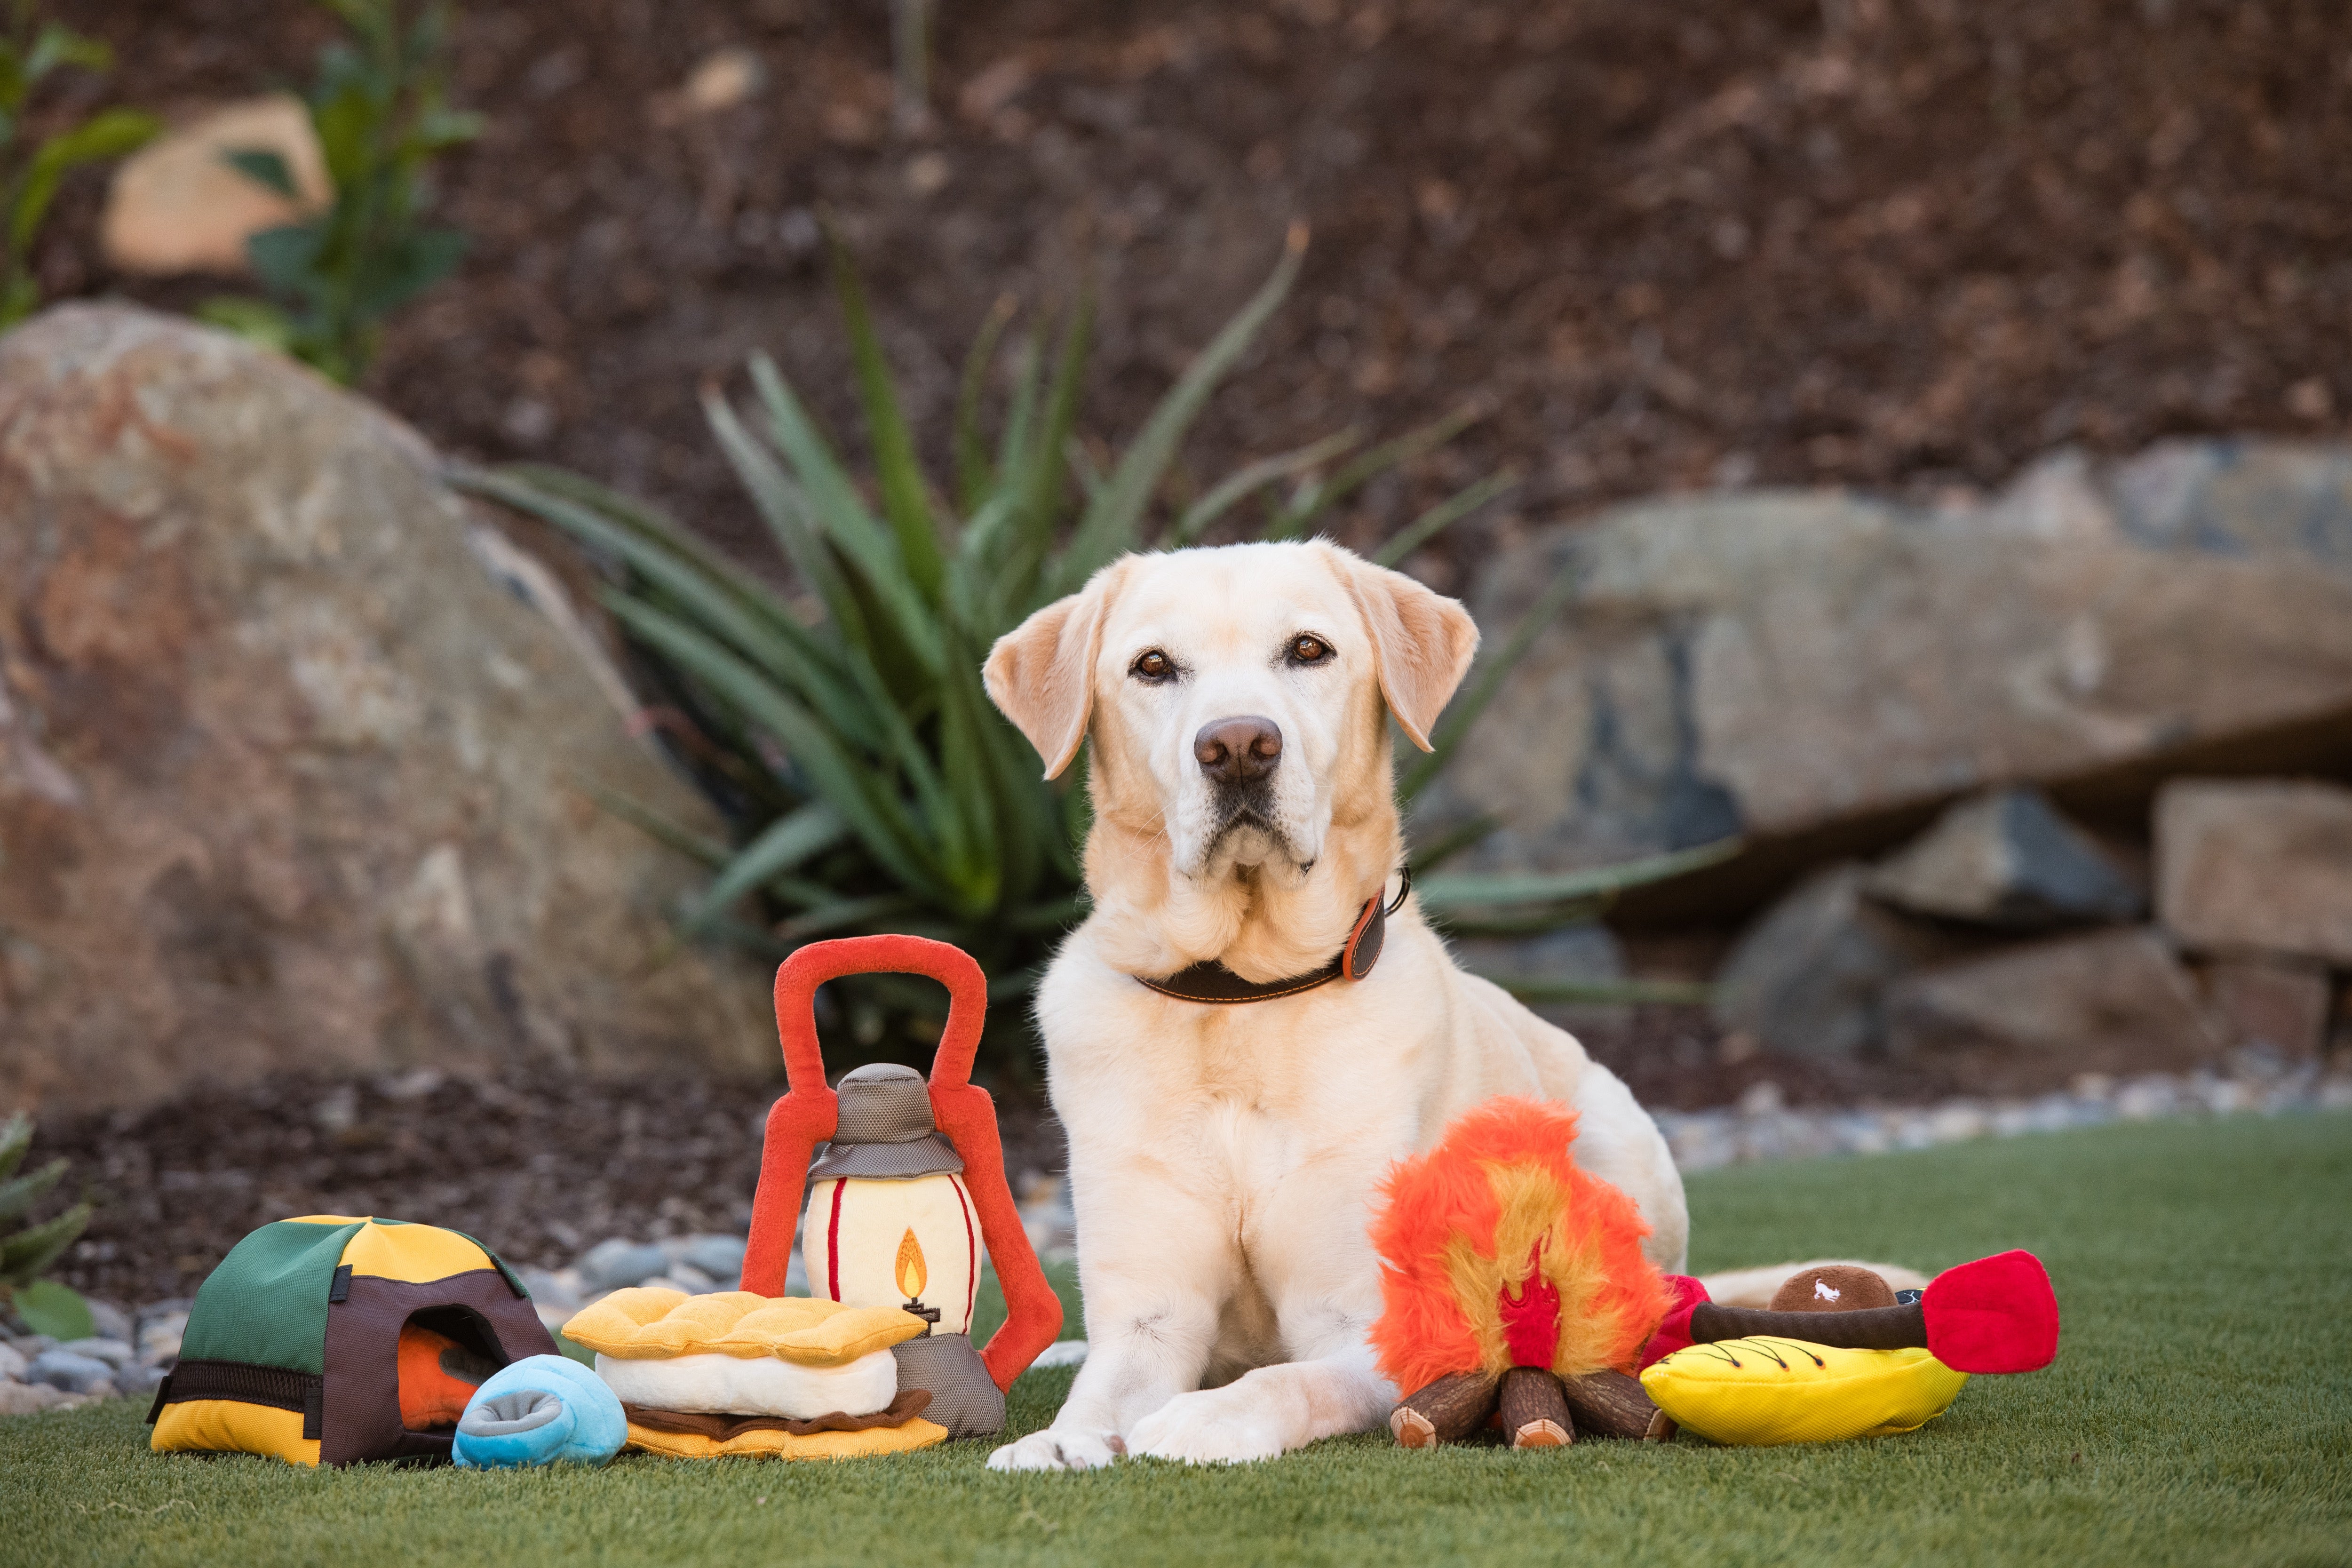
(807, 1115)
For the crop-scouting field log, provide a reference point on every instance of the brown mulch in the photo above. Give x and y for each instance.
(1851, 241)
(539, 1168)
(542, 1167)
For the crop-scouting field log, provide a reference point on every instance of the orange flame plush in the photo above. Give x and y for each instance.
(1500, 1257)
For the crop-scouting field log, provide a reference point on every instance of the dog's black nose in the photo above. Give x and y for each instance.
(1238, 751)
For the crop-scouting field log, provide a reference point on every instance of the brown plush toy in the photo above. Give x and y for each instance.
(1832, 1287)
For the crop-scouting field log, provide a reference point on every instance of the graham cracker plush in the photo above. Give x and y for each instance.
(647, 1323)
(734, 1373)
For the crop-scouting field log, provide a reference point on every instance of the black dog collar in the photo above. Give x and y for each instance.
(1212, 982)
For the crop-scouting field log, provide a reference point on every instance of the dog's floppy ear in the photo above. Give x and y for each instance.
(1041, 674)
(1422, 640)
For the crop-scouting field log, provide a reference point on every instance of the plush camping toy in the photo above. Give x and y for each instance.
(1510, 1279)
(333, 1339)
(541, 1410)
(728, 1374)
(1839, 1353)
(908, 1190)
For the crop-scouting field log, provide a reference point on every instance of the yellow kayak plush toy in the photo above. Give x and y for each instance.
(1765, 1390)
(1839, 1353)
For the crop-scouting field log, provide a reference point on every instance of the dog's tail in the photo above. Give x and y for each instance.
(1755, 1287)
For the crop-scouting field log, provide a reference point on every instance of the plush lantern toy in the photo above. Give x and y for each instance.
(909, 1190)
(889, 1223)
(1512, 1281)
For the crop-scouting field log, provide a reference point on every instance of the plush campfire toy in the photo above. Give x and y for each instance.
(1510, 1279)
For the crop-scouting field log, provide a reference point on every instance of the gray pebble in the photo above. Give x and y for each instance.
(116, 1354)
(138, 1381)
(693, 1280)
(159, 1334)
(25, 1398)
(110, 1322)
(721, 1256)
(13, 1363)
(612, 1264)
(550, 1289)
(74, 1373)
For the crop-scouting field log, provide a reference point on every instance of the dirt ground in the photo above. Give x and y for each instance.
(1854, 241)
(542, 1167)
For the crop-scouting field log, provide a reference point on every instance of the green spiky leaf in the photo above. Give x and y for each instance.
(26, 1254)
(55, 1310)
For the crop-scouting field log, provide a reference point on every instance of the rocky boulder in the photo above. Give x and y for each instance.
(2277, 1004)
(2116, 1002)
(2008, 859)
(1779, 665)
(1809, 977)
(291, 774)
(2262, 865)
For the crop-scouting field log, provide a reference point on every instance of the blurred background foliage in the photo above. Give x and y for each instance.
(30, 49)
(27, 1247)
(844, 727)
(380, 110)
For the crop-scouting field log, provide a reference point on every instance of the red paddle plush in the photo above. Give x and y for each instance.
(1997, 1314)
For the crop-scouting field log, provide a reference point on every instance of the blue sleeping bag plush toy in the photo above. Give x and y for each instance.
(541, 1410)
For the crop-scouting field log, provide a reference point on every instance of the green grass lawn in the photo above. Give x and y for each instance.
(2201, 1411)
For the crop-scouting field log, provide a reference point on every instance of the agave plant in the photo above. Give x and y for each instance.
(25, 1250)
(878, 788)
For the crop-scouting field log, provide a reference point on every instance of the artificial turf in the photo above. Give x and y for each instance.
(2201, 1411)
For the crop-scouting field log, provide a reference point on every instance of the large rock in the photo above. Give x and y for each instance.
(288, 779)
(1784, 664)
(2116, 1002)
(2264, 865)
(1809, 977)
(2008, 859)
(2279, 1004)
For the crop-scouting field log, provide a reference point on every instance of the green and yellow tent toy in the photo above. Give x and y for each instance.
(333, 1339)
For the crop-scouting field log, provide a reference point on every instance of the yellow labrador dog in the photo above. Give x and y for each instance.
(1223, 1154)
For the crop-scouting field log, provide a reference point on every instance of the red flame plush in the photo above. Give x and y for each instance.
(1509, 1276)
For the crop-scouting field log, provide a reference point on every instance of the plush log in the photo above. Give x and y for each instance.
(1612, 1404)
(1535, 1410)
(1447, 1411)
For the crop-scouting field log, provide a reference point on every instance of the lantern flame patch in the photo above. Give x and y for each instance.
(912, 1273)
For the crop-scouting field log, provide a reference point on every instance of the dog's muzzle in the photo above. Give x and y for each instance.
(1239, 758)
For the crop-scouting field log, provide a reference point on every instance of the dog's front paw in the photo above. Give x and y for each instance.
(1059, 1448)
(1215, 1427)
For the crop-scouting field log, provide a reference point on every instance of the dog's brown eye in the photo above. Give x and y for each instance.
(1309, 649)
(1154, 666)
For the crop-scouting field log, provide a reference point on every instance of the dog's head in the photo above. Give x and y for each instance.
(1238, 700)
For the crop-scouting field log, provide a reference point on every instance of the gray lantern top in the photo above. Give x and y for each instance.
(886, 1130)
